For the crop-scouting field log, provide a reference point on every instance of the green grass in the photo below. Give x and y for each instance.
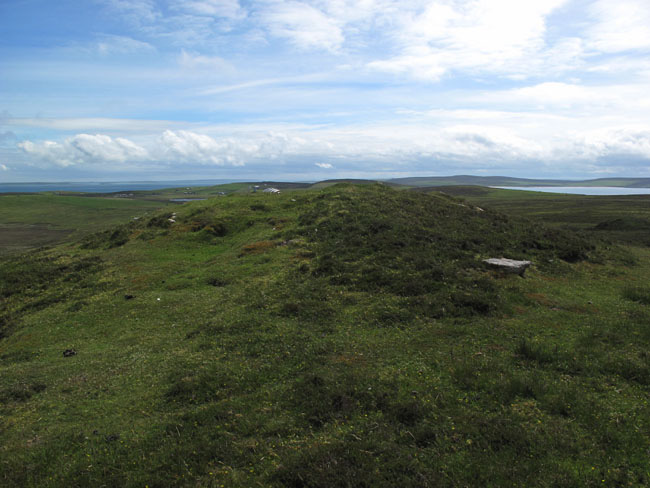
(32, 220)
(621, 218)
(29, 221)
(298, 340)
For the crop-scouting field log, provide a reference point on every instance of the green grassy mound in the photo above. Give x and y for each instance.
(344, 337)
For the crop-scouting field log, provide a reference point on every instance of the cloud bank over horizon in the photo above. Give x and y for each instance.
(299, 89)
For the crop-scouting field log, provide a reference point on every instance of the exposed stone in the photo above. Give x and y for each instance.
(509, 265)
(69, 352)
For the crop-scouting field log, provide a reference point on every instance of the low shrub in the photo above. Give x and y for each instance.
(531, 351)
(639, 294)
(160, 221)
(107, 239)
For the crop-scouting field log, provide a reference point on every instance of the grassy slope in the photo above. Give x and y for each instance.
(238, 361)
(32, 220)
(623, 218)
(28, 221)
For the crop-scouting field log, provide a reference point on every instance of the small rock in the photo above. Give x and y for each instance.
(112, 437)
(69, 353)
(129, 297)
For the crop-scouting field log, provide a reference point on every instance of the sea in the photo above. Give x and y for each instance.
(105, 187)
(582, 190)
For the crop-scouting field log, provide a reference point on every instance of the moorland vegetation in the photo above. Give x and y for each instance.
(345, 335)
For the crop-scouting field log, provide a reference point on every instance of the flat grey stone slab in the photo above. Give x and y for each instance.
(509, 265)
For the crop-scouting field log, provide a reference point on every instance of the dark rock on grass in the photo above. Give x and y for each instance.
(69, 353)
(112, 437)
(129, 297)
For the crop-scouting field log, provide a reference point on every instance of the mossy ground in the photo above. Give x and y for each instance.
(302, 339)
(28, 221)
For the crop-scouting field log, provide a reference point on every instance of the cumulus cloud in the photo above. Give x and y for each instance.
(621, 143)
(174, 147)
(190, 147)
(461, 146)
(85, 149)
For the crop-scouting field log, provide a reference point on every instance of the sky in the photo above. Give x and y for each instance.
(117, 90)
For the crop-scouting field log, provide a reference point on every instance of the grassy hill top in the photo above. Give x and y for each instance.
(349, 336)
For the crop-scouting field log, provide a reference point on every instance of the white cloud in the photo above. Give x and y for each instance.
(499, 36)
(552, 93)
(219, 8)
(624, 67)
(621, 25)
(190, 147)
(629, 101)
(109, 44)
(85, 149)
(137, 12)
(193, 61)
(303, 25)
(612, 143)
(497, 143)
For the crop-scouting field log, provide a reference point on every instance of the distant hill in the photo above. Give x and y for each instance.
(510, 181)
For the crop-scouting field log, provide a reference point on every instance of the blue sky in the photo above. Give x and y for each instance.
(311, 89)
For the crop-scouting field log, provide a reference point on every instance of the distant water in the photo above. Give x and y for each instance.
(104, 187)
(582, 190)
